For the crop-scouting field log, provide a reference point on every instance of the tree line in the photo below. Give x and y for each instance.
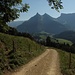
(63, 46)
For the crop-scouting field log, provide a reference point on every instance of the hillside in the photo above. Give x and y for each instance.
(67, 67)
(69, 35)
(39, 23)
(68, 20)
(16, 51)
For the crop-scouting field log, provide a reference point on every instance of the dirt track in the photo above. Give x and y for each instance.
(45, 64)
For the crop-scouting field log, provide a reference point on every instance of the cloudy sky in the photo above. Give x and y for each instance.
(41, 6)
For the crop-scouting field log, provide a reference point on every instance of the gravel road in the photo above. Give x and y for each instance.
(45, 64)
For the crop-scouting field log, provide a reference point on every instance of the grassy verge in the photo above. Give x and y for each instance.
(16, 51)
(64, 63)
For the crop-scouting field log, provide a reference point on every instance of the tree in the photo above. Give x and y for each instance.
(55, 4)
(48, 41)
(10, 9)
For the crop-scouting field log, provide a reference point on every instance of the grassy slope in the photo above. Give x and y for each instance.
(64, 41)
(64, 59)
(24, 50)
(61, 41)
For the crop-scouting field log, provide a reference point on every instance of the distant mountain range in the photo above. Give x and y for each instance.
(68, 20)
(46, 23)
(63, 26)
(39, 23)
(15, 23)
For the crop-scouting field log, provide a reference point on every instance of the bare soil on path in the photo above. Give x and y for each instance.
(45, 64)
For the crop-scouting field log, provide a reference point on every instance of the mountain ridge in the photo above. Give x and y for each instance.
(39, 23)
(68, 20)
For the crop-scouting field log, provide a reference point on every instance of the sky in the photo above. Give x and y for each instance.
(42, 7)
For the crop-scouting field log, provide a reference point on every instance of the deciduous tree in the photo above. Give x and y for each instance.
(10, 9)
(55, 4)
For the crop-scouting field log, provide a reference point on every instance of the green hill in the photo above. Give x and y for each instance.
(64, 41)
(69, 35)
(16, 51)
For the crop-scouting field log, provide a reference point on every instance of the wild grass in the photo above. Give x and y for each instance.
(16, 51)
(65, 62)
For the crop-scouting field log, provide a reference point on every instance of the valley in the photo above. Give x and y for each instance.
(37, 37)
(19, 48)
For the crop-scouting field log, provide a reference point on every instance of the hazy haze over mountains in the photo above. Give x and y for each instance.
(15, 23)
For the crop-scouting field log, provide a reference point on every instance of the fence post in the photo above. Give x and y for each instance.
(40, 46)
(29, 47)
(14, 49)
(36, 47)
(70, 60)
